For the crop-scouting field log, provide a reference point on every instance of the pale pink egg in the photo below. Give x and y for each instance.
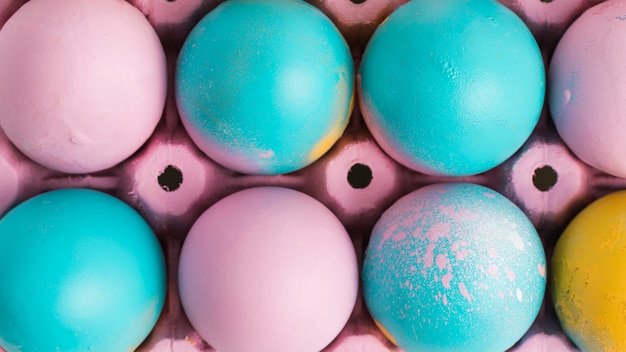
(82, 83)
(268, 269)
(587, 90)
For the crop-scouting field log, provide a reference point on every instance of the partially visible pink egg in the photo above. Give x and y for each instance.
(587, 89)
(268, 269)
(82, 83)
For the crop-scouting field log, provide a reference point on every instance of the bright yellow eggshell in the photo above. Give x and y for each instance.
(589, 276)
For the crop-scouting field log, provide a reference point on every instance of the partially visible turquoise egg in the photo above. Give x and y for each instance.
(454, 267)
(80, 271)
(452, 87)
(265, 87)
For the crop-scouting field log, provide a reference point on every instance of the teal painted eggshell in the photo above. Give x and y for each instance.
(452, 87)
(454, 267)
(80, 271)
(265, 87)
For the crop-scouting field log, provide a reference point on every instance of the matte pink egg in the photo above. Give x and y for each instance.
(587, 89)
(268, 269)
(82, 83)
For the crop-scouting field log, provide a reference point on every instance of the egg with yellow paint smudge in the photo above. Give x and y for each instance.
(454, 267)
(265, 87)
(587, 276)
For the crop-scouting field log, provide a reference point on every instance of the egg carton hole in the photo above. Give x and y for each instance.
(170, 179)
(360, 176)
(544, 178)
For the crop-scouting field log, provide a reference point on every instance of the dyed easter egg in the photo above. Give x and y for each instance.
(81, 271)
(451, 87)
(268, 269)
(454, 267)
(82, 83)
(587, 276)
(586, 95)
(265, 87)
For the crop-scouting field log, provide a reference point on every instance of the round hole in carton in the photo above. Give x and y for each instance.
(544, 178)
(360, 176)
(170, 179)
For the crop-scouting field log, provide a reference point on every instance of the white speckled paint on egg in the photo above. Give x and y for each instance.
(451, 265)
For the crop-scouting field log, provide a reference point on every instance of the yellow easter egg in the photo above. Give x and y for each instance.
(587, 276)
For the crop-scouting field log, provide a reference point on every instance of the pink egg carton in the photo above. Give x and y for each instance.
(171, 182)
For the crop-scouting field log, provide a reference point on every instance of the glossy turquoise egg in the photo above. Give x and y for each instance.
(265, 87)
(452, 87)
(79, 271)
(454, 267)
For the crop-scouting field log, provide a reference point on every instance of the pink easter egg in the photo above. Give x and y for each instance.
(268, 269)
(82, 83)
(587, 89)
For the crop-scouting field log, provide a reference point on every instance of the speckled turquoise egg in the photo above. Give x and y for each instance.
(452, 87)
(454, 267)
(79, 271)
(265, 87)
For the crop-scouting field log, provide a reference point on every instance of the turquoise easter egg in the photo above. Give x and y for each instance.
(79, 271)
(265, 87)
(452, 87)
(454, 267)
